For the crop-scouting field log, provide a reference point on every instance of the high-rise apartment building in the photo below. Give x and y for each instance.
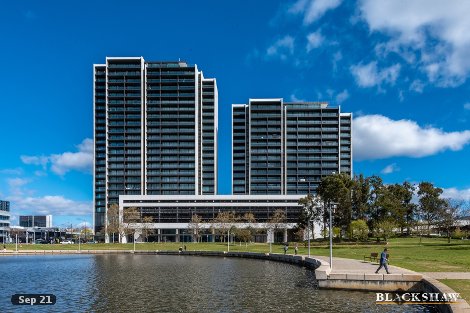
(286, 148)
(155, 131)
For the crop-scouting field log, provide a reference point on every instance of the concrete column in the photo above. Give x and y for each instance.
(159, 235)
(285, 235)
(177, 235)
(213, 235)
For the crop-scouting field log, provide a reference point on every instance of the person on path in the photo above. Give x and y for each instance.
(296, 248)
(383, 261)
(285, 248)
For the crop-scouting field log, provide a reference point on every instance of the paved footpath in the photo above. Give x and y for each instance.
(341, 265)
(448, 275)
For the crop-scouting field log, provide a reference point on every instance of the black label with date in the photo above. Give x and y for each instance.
(33, 299)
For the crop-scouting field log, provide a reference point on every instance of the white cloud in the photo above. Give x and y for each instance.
(378, 137)
(35, 160)
(466, 106)
(314, 40)
(342, 96)
(456, 194)
(282, 48)
(417, 86)
(390, 169)
(17, 182)
(67, 161)
(55, 205)
(435, 32)
(369, 75)
(312, 10)
(12, 171)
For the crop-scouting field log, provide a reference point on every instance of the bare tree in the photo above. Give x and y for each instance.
(146, 230)
(313, 212)
(277, 221)
(112, 223)
(194, 226)
(223, 222)
(130, 215)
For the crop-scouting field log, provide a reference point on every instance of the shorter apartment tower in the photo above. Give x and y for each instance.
(286, 148)
(4, 220)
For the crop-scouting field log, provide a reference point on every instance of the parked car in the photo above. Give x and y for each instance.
(40, 241)
(67, 242)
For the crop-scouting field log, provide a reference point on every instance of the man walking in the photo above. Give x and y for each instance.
(383, 262)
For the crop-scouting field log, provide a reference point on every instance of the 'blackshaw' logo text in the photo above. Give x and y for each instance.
(416, 298)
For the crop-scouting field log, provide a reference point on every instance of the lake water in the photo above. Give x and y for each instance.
(159, 283)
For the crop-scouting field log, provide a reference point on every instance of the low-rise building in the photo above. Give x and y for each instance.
(169, 217)
(4, 220)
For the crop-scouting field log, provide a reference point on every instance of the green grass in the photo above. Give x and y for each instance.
(459, 285)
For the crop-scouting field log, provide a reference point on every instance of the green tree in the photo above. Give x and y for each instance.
(360, 194)
(384, 229)
(358, 230)
(430, 203)
(448, 218)
(336, 189)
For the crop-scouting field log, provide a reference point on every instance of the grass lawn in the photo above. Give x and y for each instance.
(459, 285)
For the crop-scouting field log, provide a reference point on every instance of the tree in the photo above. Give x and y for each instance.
(384, 229)
(430, 203)
(146, 230)
(360, 197)
(130, 216)
(451, 212)
(336, 189)
(313, 211)
(112, 223)
(358, 230)
(223, 222)
(194, 226)
(250, 221)
(277, 221)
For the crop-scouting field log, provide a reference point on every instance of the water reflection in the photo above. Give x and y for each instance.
(155, 283)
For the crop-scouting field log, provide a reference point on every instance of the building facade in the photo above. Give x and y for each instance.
(35, 220)
(170, 216)
(4, 220)
(287, 148)
(155, 131)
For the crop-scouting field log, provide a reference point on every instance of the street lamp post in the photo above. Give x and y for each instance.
(134, 240)
(310, 220)
(79, 239)
(228, 240)
(331, 235)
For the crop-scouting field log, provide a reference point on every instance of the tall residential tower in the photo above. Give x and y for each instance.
(286, 148)
(155, 131)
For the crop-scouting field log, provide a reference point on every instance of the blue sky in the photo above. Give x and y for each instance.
(401, 67)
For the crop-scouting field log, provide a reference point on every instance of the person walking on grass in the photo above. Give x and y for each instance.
(383, 262)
